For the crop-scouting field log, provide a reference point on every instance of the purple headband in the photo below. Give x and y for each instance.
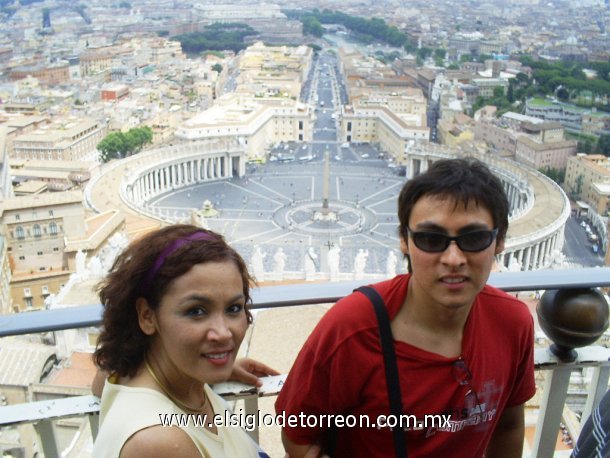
(200, 235)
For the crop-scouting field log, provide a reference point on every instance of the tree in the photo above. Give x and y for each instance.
(510, 94)
(584, 146)
(111, 147)
(217, 68)
(579, 182)
(603, 144)
(311, 26)
(557, 175)
(498, 92)
(118, 144)
(522, 78)
(562, 93)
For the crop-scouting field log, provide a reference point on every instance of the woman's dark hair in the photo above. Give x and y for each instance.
(145, 269)
(464, 180)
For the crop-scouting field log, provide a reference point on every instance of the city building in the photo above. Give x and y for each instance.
(95, 61)
(542, 146)
(587, 179)
(568, 116)
(273, 25)
(5, 279)
(455, 131)
(276, 71)
(256, 122)
(47, 74)
(403, 100)
(65, 138)
(487, 85)
(113, 92)
(43, 235)
(6, 189)
(526, 139)
(55, 175)
(391, 131)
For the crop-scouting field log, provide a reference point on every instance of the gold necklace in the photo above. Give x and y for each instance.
(172, 398)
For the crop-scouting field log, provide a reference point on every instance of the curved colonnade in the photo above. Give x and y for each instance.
(156, 172)
(539, 207)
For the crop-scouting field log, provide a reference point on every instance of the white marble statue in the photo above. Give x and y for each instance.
(391, 264)
(334, 255)
(279, 259)
(360, 263)
(96, 269)
(256, 263)
(310, 263)
(81, 258)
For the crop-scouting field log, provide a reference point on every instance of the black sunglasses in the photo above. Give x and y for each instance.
(463, 376)
(436, 242)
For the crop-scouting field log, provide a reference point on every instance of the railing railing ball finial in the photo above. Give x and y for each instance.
(572, 318)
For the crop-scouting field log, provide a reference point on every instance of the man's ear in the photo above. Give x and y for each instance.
(146, 317)
(404, 247)
(499, 246)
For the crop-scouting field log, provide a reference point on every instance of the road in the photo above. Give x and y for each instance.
(577, 248)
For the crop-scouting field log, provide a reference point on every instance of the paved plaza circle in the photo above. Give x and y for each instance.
(338, 219)
(281, 205)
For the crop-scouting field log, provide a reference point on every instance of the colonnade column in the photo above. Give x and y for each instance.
(521, 256)
(410, 166)
(424, 164)
(528, 253)
(536, 260)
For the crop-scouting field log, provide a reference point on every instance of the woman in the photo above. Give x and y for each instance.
(175, 314)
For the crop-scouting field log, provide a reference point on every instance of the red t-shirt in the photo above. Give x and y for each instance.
(340, 370)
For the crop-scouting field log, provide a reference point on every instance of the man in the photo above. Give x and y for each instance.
(464, 350)
(594, 438)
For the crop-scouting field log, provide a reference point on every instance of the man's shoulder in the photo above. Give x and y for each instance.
(359, 305)
(495, 299)
(354, 313)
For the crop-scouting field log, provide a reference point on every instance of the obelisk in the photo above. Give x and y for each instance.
(326, 185)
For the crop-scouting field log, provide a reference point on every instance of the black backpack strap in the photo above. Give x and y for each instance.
(391, 369)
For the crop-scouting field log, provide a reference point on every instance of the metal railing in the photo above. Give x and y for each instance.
(43, 413)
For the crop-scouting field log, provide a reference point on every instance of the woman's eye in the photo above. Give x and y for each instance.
(235, 308)
(196, 311)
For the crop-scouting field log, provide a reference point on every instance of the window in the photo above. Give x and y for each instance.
(37, 230)
(50, 212)
(22, 258)
(39, 253)
(53, 228)
(20, 232)
(17, 218)
(27, 292)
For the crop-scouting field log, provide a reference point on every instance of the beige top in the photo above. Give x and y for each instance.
(126, 410)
